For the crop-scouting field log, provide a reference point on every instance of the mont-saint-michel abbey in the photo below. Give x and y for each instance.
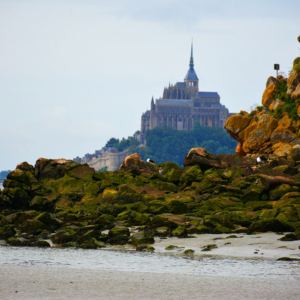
(181, 105)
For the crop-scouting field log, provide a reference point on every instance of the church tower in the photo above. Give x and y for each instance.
(191, 79)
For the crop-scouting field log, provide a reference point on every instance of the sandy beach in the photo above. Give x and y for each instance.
(28, 282)
(43, 282)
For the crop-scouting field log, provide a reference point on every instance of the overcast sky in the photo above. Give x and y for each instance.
(75, 73)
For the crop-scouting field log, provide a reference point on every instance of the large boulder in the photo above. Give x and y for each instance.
(202, 158)
(135, 165)
(259, 136)
(235, 124)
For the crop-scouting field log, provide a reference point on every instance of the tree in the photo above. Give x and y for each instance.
(112, 142)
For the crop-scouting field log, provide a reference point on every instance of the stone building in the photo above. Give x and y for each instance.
(182, 104)
(108, 157)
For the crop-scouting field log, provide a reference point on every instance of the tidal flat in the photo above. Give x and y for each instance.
(231, 270)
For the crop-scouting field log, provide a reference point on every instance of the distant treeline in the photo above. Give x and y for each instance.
(3, 174)
(168, 144)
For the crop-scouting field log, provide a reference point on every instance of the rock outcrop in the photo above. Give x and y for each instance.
(274, 128)
(72, 205)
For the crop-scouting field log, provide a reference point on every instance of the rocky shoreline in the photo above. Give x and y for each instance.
(74, 206)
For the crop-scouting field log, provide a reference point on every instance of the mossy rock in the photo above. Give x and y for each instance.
(232, 173)
(110, 209)
(258, 205)
(88, 236)
(202, 229)
(288, 237)
(42, 244)
(230, 191)
(211, 221)
(268, 214)
(118, 231)
(210, 183)
(225, 203)
(163, 231)
(286, 170)
(125, 215)
(172, 172)
(33, 227)
(264, 226)
(189, 251)
(209, 247)
(168, 187)
(88, 244)
(250, 196)
(180, 232)
(83, 172)
(65, 235)
(177, 207)
(159, 221)
(6, 232)
(241, 183)
(139, 207)
(71, 244)
(145, 248)
(281, 190)
(20, 242)
(46, 218)
(171, 247)
(137, 218)
(244, 218)
(190, 175)
(222, 229)
(18, 175)
(18, 197)
(141, 238)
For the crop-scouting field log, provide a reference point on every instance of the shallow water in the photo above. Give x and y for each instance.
(149, 262)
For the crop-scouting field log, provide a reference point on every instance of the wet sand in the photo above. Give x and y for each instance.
(32, 282)
(263, 245)
(39, 282)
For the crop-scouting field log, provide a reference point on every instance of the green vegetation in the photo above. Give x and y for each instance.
(259, 108)
(168, 144)
(290, 106)
(123, 144)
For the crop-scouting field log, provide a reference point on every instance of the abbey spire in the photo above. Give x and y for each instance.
(191, 78)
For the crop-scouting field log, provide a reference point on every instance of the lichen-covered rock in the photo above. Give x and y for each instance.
(202, 158)
(283, 135)
(265, 126)
(235, 124)
(269, 94)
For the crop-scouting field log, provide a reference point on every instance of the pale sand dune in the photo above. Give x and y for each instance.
(33, 282)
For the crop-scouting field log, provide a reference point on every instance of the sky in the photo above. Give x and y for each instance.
(73, 74)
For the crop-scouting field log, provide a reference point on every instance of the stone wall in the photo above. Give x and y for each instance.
(112, 161)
